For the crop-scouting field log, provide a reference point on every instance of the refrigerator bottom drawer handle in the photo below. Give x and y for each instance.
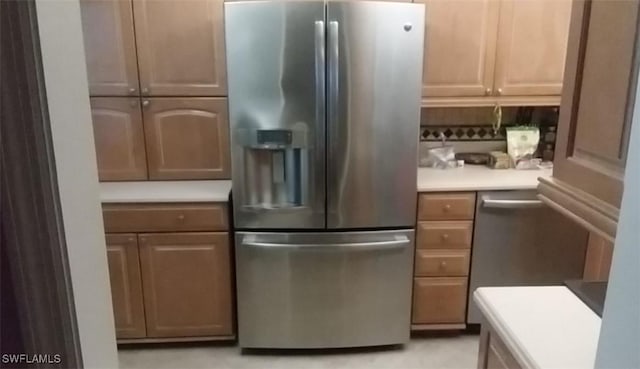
(399, 243)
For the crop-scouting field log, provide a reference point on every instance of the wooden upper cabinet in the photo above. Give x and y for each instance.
(532, 47)
(181, 47)
(119, 138)
(110, 49)
(187, 138)
(187, 284)
(459, 48)
(126, 285)
(595, 118)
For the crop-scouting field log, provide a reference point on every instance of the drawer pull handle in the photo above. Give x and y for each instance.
(443, 264)
(447, 207)
(445, 236)
(181, 217)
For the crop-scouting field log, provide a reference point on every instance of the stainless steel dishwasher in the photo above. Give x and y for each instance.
(518, 241)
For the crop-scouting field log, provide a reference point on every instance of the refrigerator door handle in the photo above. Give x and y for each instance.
(399, 242)
(320, 71)
(333, 84)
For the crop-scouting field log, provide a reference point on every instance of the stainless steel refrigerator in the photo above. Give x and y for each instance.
(324, 106)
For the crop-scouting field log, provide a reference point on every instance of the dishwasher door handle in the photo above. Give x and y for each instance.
(488, 202)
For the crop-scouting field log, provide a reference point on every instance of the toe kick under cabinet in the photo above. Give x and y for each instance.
(170, 271)
(443, 252)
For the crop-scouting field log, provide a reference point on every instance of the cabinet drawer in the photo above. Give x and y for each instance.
(439, 300)
(444, 235)
(164, 217)
(446, 206)
(442, 263)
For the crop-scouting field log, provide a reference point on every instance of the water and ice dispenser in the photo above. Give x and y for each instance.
(275, 170)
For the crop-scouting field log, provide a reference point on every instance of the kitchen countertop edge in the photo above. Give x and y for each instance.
(165, 191)
(478, 178)
(468, 178)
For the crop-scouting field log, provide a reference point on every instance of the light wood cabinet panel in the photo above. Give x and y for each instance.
(493, 353)
(187, 284)
(165, 217)
(126, 285)
(595, 119)
(109, 45)
(442, 263)
(598, 259)
(446, 206)
(439, 300)
(187, 138)
(441, 235)
(532, 46)
(598, 99)
(119, 138)
(460, 41)
(181, 47)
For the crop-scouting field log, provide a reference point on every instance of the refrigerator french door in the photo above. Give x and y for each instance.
(324, 103)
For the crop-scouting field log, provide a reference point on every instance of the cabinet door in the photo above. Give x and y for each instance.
(119, 138)
(187, 138)
(126, 285)
(181, 47)
(597, 101)
(109, 46)
(459, 49)
(439, 300)
(187, 284)
(597, 262)
(532, 46)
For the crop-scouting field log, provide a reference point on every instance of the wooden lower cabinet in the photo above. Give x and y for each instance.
(126, 285)
(493, 353)
(597, 262)
(187, 284)
(439, 300)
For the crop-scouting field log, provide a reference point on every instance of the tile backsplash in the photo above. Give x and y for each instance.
(470, 129)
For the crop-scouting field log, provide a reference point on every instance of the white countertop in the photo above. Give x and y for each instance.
(478, 178)
(468, 178)
(165, 191)
(543, 327)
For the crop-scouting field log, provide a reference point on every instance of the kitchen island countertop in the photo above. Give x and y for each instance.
(543, 327)
(478, 178)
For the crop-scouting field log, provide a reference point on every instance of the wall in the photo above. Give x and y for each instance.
(68, 101)
(619, 342)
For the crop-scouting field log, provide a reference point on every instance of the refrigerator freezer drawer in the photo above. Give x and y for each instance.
(320, 290)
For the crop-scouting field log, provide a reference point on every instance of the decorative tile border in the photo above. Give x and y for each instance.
(477, 133)
(462, 133)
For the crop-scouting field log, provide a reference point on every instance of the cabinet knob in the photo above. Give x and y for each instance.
(132, 91)
(145, 103)
(499, 91)
(487, 91)
(181, 217)
(131, 239)
(443, 264)
(446, 208)
(145, 90)
(445, 236)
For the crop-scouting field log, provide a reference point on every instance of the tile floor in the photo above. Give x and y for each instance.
(425, 352)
